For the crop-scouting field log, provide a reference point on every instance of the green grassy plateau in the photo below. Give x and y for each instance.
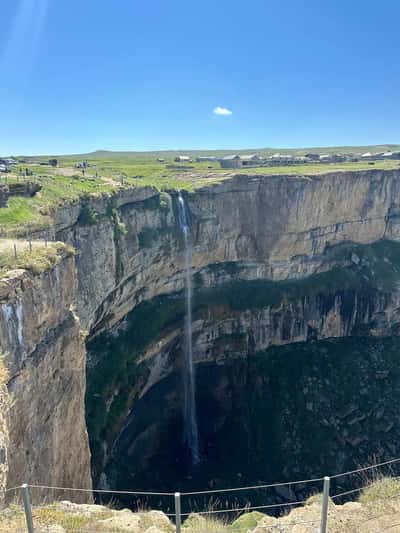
(110, 171)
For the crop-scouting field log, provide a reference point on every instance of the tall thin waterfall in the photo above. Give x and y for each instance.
(190, 432)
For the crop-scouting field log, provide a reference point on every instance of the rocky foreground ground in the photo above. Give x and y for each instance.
(377, 510)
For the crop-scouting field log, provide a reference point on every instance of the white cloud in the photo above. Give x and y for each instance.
(223, 111)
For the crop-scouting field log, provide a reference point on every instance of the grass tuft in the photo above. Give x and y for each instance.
(247, 521)
(37, 261)
(381, 489)
(196, 523)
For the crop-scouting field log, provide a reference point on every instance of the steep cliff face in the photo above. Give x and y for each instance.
(279, 230)
(4, 438)
(45, 355)
(232, 323)
(276, 260)
(276, 227)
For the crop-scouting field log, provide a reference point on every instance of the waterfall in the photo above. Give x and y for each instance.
(190, 432)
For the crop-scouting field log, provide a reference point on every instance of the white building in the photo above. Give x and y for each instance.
(182, 159)
(239, 161)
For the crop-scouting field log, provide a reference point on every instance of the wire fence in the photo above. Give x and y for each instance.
(26, 248)
(21, 496)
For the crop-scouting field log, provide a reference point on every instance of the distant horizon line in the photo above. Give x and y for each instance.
(192, 150)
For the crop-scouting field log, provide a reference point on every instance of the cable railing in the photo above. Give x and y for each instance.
(178, 515)
(253, 487)
(103, 491)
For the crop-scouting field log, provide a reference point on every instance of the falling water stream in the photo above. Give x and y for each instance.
(190, 431)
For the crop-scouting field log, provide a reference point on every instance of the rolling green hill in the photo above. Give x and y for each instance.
(135, 156)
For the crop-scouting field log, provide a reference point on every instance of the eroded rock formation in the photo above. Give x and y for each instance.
(4, 438)
(45, 352)
(276, 260)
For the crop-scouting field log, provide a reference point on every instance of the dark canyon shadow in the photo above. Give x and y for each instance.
(293, 412)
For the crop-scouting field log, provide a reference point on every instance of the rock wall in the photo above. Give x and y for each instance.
(45, 355)
(129, 251)
(277, 227)
(4, 438)
(233, 322)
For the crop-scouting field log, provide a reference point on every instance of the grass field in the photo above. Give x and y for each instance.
(110, 171)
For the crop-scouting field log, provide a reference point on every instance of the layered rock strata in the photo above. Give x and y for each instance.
(275, 229)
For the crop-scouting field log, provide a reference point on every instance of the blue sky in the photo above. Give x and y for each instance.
(80, 75)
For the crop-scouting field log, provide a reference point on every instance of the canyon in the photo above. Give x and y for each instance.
(295, 321)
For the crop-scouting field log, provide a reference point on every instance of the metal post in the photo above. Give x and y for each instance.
(15, 251)
(27, 507)
(178, 512)
(325, 504)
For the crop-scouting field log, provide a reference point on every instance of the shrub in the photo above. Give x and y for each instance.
(196, 523)
(87, 216)
(165, 201)
(120, 228)
(247, 521)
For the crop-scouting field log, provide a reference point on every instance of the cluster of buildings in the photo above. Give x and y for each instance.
(257, 160)
(275, 160)
(379, 156)
(5, 164)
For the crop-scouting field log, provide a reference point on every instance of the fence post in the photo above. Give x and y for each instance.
(27, 507)
(325, 504)
(178, 512)
(15, 251)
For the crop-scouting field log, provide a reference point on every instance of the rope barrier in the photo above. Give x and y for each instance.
(216, 491)
(247, 508)
(272, 485)
(386, 498)
(101, 491)
(254, 487)
(13, 488)
(347, 492)
(375, 516)
(238, 509)
(363, 469)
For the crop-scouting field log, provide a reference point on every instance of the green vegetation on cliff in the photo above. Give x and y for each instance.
(115, 375)
(114, 364)
(27, 214)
